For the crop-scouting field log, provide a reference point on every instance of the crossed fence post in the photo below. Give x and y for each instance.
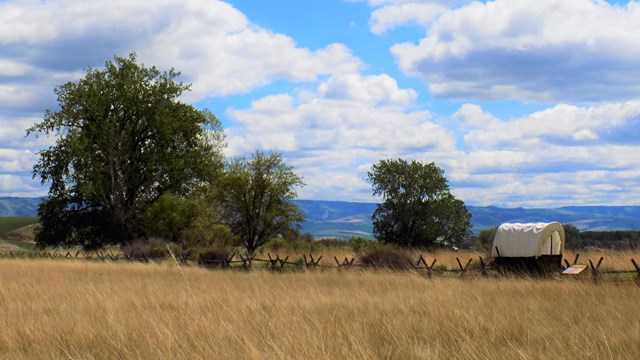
(311, 263)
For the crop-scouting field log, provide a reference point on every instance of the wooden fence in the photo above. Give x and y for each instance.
(462, 267)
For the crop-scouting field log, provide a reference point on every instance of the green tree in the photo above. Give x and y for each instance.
(171, 215)
(254, 197)
(485, 238)
(417, 207)
(123, 140)
(571, 237)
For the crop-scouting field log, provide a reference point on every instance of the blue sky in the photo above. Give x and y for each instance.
(531, 103)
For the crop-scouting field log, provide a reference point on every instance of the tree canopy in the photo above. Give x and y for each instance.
(418, 208)
(123, 139)
(254, 196)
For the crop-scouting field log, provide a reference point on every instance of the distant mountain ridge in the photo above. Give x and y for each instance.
(346, 219)
(17, 206)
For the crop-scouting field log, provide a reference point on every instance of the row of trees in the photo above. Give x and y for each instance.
(132, 162)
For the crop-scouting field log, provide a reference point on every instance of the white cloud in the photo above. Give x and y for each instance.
(44, 44)
(564, 155)
(213, 44)
(391, 16)
(19, 185)
(531, 50)
(566, 125)
(347, 123)
(14, 161)
(376, 89)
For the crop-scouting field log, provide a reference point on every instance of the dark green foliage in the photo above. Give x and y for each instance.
(617, 240)
(152, 248)
(254, 198)
(386, 257)
(417, 208)
(485, 238)
(171, 215)
(124, 139)
(360, 244)
(571, 237)
(213, 257)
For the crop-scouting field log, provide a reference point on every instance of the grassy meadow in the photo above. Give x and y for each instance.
(81, 309)
(10, 223)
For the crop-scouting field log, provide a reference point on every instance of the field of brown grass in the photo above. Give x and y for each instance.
(80, 310)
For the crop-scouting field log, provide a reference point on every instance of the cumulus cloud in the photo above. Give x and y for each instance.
(348, 122)
(566, 125)
(531, 50)
(391, 16)
(214, 45)
(563, 155)
(44, 44)
(376, 89)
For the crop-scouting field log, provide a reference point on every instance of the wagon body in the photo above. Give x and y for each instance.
(535, 248)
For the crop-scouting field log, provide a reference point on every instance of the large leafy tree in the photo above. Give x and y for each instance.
(122, 140)
(418, 208)
(254, 197)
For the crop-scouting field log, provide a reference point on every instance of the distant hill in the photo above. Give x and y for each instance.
(595, 218)
(10, 223)
(337, 218)
(346, 219)
(16, 206)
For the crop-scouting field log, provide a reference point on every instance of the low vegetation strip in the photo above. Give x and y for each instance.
(54, 309)
(620, 266)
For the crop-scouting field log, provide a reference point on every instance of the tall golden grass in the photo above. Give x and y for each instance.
(80, 310)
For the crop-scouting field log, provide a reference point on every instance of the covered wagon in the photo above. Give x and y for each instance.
(535, 248)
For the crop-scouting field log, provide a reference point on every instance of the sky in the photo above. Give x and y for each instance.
(528, 103)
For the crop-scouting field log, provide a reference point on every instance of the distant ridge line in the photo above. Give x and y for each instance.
(345, 218)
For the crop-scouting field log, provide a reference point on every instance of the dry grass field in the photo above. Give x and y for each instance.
(55, 309)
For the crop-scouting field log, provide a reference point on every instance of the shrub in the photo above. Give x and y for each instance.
(152, 248)
(360, 244)
(333, 243)
(214, 257)
(387, 257)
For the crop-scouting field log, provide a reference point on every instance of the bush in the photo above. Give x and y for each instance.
(387, 257)
(333, 243)
(213, 257)
(360, 244)
(301, 245)
(152, 248)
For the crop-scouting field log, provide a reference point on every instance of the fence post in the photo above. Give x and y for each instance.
(311, 263)
(635, 265)
(463, 269)
(483, 267)
(596, 270)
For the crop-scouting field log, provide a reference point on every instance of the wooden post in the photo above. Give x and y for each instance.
(635, 265)
(247, 262)
(483, 268)
(596, 270)
(463, 269)
(430, 267)
(575, 261)
(311, 263)
(346, 262)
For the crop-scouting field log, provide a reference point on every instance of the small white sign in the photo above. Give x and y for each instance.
(574, 269)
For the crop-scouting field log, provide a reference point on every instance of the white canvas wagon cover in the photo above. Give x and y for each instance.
(527, 240)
